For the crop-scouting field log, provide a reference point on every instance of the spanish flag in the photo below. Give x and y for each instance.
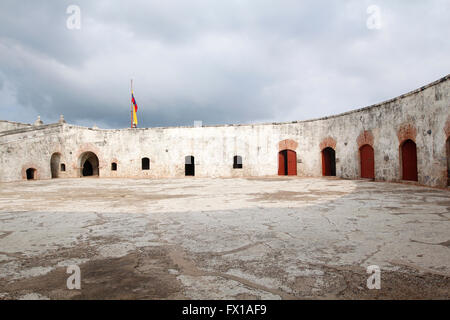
(135, 108)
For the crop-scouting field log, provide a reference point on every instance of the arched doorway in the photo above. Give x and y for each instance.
(448, 161)
(409, 160)
(367, 162)
(89, 164)
(287, 163)
(88, 169)
(55, 164)
(189, 166)
(328, 162)
(145, 164)
(31, 174)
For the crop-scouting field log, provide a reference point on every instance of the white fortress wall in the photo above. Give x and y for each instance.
(422, 116)
(9, 125)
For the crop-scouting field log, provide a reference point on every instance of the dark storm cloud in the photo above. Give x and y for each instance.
(216, 61)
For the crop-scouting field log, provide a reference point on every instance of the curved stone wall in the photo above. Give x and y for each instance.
(422, 116)
(9, 125)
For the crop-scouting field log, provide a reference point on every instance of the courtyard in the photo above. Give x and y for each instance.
(206, 238)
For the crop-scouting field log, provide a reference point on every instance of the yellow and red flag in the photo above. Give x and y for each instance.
(135, 108)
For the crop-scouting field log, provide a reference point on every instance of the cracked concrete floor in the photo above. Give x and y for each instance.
(194, 238)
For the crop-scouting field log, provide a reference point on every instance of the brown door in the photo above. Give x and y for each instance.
(282, 163)
(328, 162)
(448, 161)
(291, 163)
(409, 160)
(367, 162)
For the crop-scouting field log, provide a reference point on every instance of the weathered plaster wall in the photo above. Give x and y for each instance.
(422, 115)
(9, 125)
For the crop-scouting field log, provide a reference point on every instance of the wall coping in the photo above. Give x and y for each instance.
(15, 122)
(29, 129)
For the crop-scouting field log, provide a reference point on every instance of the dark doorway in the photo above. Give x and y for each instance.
(145, 163)
(89, 164)
(448, 161)
(54, 164)
(31, 174)
(367, 162)
(409, 160)
(113, 166)
(189, 166)
(328, 162)
(88, 169)
(287, 163)
(237, 162)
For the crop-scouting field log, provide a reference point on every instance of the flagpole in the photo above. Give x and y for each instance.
(131, 103)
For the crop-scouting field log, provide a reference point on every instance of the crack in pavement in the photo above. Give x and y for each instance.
(250, 245)
(402, 263)
(189, 268)
(12, 254)
(379, 247)
(5, 233)
(444, 244)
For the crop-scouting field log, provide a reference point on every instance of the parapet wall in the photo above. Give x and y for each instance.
(422, 116)
(9, 125)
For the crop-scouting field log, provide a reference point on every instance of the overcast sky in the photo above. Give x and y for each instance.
(224, 61)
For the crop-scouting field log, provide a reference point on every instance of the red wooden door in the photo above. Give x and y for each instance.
(409, 160)
(291, 163)
(448, 161)
(367, 162)
(281, 166)
(328, 162)
(324, 161)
